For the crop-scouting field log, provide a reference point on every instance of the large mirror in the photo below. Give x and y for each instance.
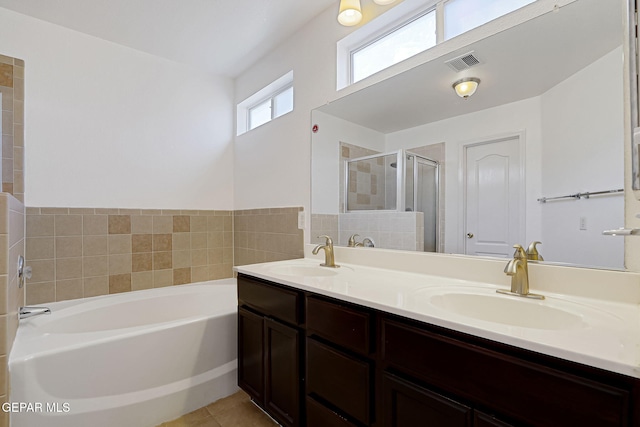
(536, 154)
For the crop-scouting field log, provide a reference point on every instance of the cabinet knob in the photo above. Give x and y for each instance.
(469, 235)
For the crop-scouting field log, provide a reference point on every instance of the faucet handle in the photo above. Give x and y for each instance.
(352, 240)
(328, 242)
(520, 252)
(532, 252)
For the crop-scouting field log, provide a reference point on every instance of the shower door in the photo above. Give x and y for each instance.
(421, 190)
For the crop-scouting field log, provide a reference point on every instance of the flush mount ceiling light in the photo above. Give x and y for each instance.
(383, 2)
(466, 87)
(350, 12)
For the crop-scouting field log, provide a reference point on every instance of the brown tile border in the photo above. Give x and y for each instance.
(119, 283)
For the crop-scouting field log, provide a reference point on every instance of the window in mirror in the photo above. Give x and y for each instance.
(272, 101)
(397, 45)
(463, 15)
(408, 29)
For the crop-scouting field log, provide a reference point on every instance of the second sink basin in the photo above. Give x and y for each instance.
(512, 311)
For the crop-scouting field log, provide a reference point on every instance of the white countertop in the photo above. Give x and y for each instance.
(604, 333)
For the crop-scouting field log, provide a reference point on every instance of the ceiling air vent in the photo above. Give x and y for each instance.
(463, 62)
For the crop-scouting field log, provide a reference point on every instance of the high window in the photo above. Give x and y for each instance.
(397, 45)
(410, 28)
(272, 101)
(464, 15)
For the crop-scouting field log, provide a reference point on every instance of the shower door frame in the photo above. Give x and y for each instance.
(415, 192)
(400, 185)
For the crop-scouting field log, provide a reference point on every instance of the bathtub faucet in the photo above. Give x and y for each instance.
(26, 312)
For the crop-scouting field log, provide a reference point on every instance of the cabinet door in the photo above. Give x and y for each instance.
(250, 354)
(409, 405)
(282, 369)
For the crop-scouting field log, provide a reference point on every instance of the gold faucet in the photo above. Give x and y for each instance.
(518, 269)
(329, 260)
(532, 252)
(352, 241)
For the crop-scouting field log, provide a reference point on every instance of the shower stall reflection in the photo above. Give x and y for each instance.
(403, 188)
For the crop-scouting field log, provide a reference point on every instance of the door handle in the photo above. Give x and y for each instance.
(469, 235)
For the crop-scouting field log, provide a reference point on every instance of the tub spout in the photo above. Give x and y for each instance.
(26, 312)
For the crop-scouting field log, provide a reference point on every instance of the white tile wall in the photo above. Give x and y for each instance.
(389, 230)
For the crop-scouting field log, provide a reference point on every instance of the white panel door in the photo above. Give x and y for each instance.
(493, 191)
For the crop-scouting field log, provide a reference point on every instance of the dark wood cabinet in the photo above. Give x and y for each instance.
(481, 419)
(282, 368)
(409, 405)
(340, 359)
(318, 415)
(314, 361)
(340, 324)
(533, 392)
(269, 349)
(251, 353)
(340, 379)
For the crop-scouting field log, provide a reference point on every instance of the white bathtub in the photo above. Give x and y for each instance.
(128, 360)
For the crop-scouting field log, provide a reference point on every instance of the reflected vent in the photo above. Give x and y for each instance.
(463, 62)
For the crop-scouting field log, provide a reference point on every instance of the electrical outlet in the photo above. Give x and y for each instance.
(301, 218)
(583, 223)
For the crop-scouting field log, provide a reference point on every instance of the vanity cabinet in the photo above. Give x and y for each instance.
(310, 360)
(269, 348)
(406, 404)
(339, 367)
(523, 387)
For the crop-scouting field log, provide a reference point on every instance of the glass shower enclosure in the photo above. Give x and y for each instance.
(399, 181)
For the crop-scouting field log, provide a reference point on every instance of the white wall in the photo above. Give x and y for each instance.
(109, 126)
(573, 145)
(272, 162)
(582, 126)
(325, 147)
(522, 117)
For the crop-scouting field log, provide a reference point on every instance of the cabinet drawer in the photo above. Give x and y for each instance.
(518, 389)
(319, 415)
(339, 379)
(341, 324)
(408, 405)
(271, 300)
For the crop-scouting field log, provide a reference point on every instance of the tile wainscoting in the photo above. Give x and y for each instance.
(262, 235)
(84, 252)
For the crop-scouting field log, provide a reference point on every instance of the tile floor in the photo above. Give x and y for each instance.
(233, 411)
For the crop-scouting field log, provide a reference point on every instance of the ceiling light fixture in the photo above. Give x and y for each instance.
(383, 2)
(350, 12)
(466, 87)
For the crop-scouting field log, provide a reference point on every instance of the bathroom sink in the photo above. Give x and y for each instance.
(303, 270)
(512, 311)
